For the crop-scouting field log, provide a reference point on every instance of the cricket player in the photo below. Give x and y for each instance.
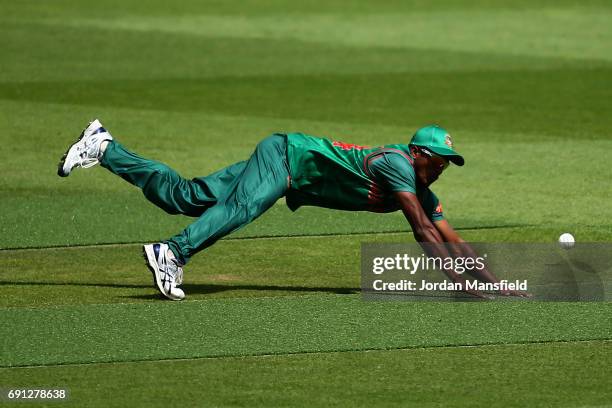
(306, 170)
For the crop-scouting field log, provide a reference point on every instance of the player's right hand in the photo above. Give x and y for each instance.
(479, 294)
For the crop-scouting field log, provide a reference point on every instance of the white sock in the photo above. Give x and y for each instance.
(103, 147)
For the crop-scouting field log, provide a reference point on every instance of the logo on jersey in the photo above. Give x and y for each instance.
(438, 209)
(448, 141)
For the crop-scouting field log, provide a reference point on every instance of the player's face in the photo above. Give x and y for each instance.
(428, 167)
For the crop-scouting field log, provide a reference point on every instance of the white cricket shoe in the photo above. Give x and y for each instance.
(167, 273)
(85, 152)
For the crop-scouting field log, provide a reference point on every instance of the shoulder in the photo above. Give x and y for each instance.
(389, 158)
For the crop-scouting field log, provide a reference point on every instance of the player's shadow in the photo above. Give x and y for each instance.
(85, 284)
(210, 288)
(202, 289)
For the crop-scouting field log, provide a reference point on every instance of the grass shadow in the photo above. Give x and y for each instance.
(202, 289)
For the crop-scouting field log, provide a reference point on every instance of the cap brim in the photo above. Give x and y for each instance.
(456, 159)
(450, 154)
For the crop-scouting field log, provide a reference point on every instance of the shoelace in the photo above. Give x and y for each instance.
(177, 272)
(86, 152)
(171, 268)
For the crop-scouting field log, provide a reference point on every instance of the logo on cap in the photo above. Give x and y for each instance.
(448, 141)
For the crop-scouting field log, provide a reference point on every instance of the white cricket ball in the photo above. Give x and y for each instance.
(567, 241)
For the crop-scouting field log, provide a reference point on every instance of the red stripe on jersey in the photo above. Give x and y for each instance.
(349, 146)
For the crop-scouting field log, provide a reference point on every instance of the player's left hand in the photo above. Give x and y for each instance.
(479, 294)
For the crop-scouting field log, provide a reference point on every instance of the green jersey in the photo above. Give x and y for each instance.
(344, 176)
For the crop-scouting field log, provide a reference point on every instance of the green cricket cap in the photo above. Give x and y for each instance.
(437, 139)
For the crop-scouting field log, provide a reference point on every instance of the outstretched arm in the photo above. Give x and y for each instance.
(425, 232)
(460, 248)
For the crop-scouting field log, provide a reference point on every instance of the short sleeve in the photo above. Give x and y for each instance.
(394, 172)
(432, 207)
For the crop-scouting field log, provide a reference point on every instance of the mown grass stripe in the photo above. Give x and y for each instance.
(271, 236)
(223, 327)
(603, 342)
(565, 374)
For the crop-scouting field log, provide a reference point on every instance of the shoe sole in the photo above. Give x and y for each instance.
(60, 166)
(153, 266)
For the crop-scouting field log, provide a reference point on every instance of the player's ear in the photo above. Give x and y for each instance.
(415, 151)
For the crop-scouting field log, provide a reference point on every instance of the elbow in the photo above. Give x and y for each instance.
(424, 234)
(419, 234)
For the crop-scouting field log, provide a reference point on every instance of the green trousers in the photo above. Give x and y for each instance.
(223, 201)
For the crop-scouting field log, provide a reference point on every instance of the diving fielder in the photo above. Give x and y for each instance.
(306, 170)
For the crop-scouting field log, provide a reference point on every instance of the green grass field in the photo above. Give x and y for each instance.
(273, 315)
